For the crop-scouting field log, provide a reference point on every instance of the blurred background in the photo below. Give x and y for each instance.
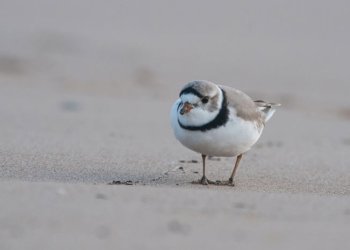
(111, 47)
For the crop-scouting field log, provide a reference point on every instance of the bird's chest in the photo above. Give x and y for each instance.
(235, 137)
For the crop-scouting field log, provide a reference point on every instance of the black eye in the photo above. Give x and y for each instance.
(205, 99)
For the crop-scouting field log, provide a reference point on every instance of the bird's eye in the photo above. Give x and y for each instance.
(205, 99)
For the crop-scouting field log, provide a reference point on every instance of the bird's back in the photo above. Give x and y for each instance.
(244, 106)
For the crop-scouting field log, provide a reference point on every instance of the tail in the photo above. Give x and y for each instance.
(267, 109)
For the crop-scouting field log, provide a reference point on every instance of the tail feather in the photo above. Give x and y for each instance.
(267, 109)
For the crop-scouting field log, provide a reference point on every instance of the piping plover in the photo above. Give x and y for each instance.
(218, 120)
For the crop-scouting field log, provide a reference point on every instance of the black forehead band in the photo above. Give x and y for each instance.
(191, 90)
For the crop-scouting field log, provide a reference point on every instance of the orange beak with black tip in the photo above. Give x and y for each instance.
(186, 108)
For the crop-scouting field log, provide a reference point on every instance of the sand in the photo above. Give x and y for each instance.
(80, 216)
(86, 91)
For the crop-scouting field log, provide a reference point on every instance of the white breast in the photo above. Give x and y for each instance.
(236, 137)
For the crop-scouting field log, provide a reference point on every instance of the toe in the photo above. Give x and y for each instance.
(203, 181)
(224, 183)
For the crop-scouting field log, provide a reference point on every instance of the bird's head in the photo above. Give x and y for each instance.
(200, 102)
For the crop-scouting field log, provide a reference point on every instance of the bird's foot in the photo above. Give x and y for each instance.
(203, 181)
(229, 182)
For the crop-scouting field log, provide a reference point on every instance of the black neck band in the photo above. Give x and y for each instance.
(220, 120)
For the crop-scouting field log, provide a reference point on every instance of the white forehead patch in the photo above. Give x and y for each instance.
(191, 98)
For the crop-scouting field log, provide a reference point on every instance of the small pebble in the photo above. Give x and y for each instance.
(190, 161)
(121, 183)
(61, 191)
(71, 106)
(101, 196)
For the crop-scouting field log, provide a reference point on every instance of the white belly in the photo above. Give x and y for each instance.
(236, 137)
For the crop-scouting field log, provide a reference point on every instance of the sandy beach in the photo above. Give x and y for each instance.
(85, 95)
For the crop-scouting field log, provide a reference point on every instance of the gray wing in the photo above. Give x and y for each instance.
(245, 107)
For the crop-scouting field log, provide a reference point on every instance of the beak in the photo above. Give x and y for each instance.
(186, 108)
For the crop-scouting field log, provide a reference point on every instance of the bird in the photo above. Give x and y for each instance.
(218, 120)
